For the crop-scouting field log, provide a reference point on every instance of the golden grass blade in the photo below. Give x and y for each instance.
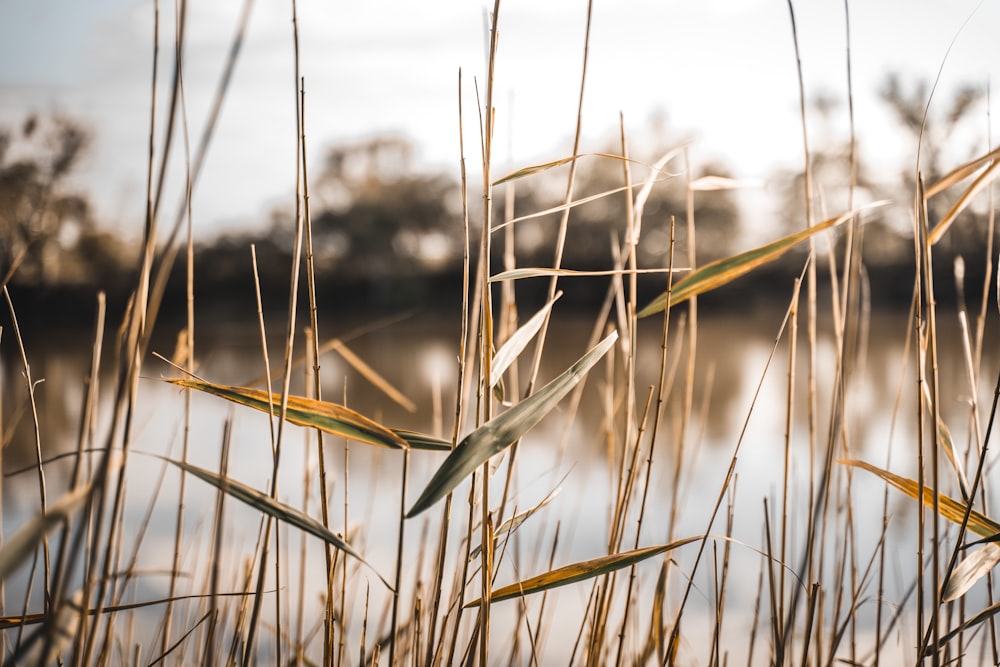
(960, 173)
(948, 508)
(328, 417)
(23, 543)
(513, 523)
(647, 187)
(518, 340)
(713, 183)
(720, 272)
(948, 444)
(534, 169)
(262, 502)
(502, 431)
(588, 569)
(977, 186)
(560, 207)
(970, 570)
(528, 171)
(530, 272)
(372, 375)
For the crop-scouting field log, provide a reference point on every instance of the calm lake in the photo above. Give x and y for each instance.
(577, 453)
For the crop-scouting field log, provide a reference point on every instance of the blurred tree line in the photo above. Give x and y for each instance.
(388, 234)
(47, 230)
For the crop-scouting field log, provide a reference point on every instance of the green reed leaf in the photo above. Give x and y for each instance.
(588, 569)
(327, 417)
(722, 271)
(502, 431)
(263, 503)
(422, 440)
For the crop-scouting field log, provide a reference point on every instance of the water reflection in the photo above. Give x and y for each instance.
(419, 356)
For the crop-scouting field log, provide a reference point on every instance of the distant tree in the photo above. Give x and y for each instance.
(592, 225)
(939, 131)
(888, 235)
(374, 214)
(40, 217)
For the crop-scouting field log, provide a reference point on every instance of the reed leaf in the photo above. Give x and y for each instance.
(23, 543)
(984, 615)
(722, 271)
(561, 207)
(950, 509)
(588, 569)
(977, 186)
(545, 272)
(502, 431)
(328, 417)
(514, 345)
(714, 183)
(534, 169)
(263, 503)
(647, 187)
(422, 440)
(370, 374)
(8, 622)
(970, 570)
(513, 523)
(961, 173)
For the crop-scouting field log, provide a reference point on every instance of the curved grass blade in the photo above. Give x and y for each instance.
(328, 417)
(514, 345)
(23, 543)
(950, 509)
(502, 431)
(8, 622)
(561, 207)
(534, 169)
(970, 570)
(588, 569)
(981, 182)
(510, 524)
(961, 173)
(422, 441)
(370, 374)
(715, 183)
(264, 503)
(544, 272)
(647, 188)
(722, 271)
(984, 615)
(948, 445)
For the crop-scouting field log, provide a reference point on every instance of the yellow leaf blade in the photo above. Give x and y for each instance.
(722, 271)
(570, 574)
(977, 185)
(327, 417)
(950, 509)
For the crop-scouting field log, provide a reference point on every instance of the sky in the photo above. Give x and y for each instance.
(720, 74)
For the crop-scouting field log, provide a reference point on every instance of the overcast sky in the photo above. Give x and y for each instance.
(720, 72)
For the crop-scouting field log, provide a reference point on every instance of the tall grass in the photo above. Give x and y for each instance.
(464, 587)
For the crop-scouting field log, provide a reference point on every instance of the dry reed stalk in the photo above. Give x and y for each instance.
(218, 526)
(189, 333)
